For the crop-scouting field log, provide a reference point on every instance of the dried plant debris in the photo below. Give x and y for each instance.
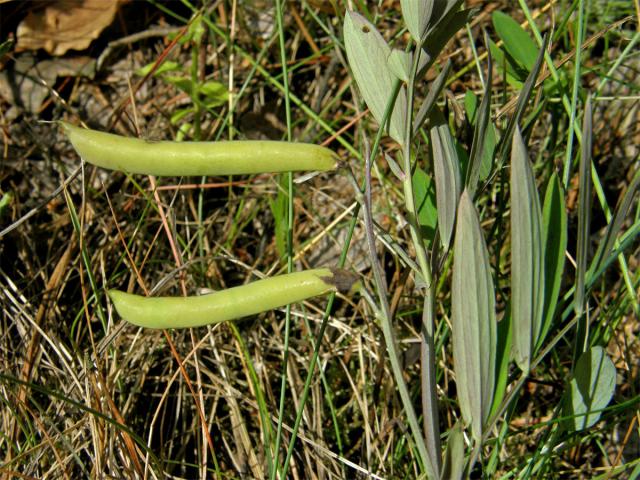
(66, 25)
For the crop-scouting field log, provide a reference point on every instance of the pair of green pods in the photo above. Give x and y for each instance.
(212, 158)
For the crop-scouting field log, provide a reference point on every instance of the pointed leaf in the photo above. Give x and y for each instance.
(615, 225)
(434, 92)
(367, 53)
(554, 233)
(439, 36)
(517, 42)
(425, 195)
(527, 282)
(523, 99)
(446, 168)
(480, 134)
(395, 168)
(416, 15)
(400, 64)
(454, 461)
(592, 387)
(473, 319)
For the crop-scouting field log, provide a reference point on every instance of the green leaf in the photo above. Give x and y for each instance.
(435, 89)
(517, 42)
(554, 233)
(503, 356)
(425, 195)
(607, 243)
(527, 275)
(5, 202)
(165, 67)
(416, 15)
(478, 154)
(445, 30)
(515, 74)
(214, 93)
(279, 210)
(367, 53)
(490, 138)
(182, 83)
(523, 100)
(400, 64)
(446, 168)
(473, 319)
(454, 461)
(591, 389)
(5, 47)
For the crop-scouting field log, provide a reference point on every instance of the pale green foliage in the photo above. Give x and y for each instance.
(473, 319)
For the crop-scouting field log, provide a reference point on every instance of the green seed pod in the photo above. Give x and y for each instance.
(166, 158)
(233, 303)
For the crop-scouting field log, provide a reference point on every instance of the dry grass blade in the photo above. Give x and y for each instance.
(473, 319)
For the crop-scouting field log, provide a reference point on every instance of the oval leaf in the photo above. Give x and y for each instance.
(400, 64)
(473, 319)
(367, 53)
(591, 389)
(416, 15)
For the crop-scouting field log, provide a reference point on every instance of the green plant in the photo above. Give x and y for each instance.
(538, 237)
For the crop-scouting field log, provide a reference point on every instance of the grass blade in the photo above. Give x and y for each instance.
(527, 281)
(473, 319)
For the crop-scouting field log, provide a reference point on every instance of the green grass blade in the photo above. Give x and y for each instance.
(473, 319)
(527, 281)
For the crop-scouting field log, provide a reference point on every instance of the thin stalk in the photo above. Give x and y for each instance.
(316, 350)
(577, 73)
(427, 353)
(290, 214)
(384, 313)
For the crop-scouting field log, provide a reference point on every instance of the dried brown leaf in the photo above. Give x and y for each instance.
(65, 24)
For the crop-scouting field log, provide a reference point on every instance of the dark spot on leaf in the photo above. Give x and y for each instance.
(365, 29)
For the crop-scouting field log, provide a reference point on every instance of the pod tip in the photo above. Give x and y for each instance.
(345, 282)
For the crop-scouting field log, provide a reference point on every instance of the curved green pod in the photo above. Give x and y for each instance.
(233, 303)
(167, 158)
